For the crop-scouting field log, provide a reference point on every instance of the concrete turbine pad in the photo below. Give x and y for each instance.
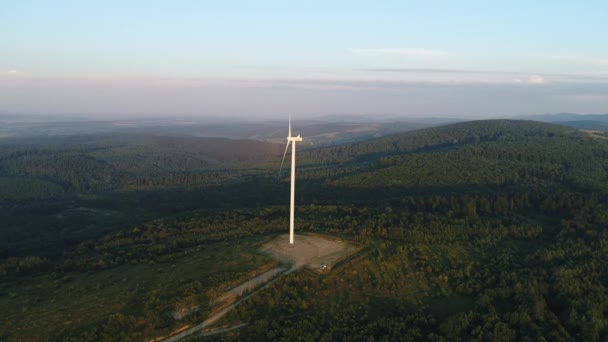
(317, 252)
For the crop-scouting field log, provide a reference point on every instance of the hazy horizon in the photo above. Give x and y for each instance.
(240, 60)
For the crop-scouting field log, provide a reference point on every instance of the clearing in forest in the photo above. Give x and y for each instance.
(317, 252)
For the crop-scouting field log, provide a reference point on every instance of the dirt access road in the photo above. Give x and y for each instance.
(214, 318)
(317, 252)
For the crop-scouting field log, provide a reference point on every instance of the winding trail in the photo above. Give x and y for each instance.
(317, 252)
(223, 330)
(251, 284)
(214, 318)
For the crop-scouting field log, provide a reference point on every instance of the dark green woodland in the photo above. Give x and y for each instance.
(486, 230)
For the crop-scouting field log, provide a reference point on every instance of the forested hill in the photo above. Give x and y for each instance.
(437, 138)
(492, 152)
(484, 230)
(43, 167)
(216, 150)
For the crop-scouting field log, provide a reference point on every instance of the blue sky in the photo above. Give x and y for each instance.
(266, 58)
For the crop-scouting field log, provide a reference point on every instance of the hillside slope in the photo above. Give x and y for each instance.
(487, 230)
(110, 162)
(483, 230)
(493, 152)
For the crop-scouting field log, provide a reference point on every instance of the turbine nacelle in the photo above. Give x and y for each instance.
(289, 137)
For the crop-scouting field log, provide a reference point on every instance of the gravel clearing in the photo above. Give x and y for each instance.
(319, 253)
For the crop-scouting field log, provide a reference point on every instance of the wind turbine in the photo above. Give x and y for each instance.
(292, 140)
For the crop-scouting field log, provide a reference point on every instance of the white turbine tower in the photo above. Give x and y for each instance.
(293, 177)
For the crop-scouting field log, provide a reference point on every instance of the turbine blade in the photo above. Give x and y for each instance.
(289, 135)
(283, 160)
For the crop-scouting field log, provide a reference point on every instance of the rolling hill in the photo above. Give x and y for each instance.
(111, 162)
(486, 230)
(493, 153)
(318, 132)
(580, 121)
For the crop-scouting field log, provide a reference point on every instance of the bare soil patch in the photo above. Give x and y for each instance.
(595, 134)
(319, 253)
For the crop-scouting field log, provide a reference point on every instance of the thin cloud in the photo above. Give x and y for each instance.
(517, 79)
(407, 52)
(586, 60)
(360, 83)
(426, 70)
(536, 79)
